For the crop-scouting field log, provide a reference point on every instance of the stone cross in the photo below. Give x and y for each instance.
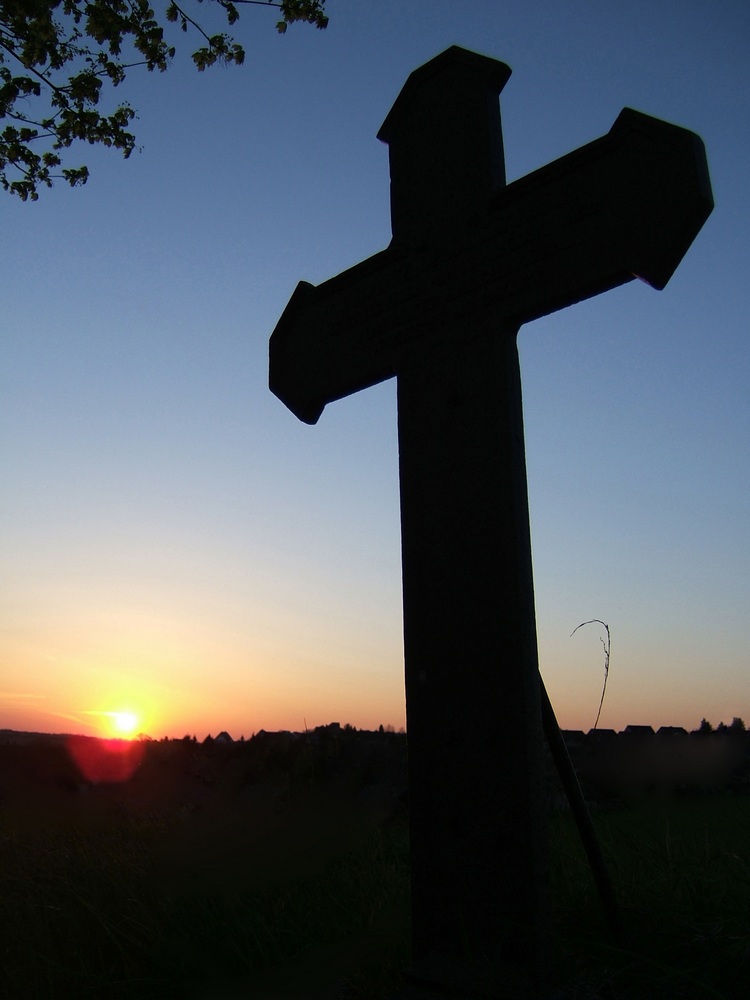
(471, 259)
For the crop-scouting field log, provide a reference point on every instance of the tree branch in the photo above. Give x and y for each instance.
(30, 69)
(186, 19)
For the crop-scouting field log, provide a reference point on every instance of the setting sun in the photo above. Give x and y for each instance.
(126, 720)
(124, 723)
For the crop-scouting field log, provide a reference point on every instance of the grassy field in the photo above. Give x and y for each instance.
(146, 909)
(160, 906)
(681, 870)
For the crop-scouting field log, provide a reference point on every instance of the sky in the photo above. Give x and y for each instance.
(175, 544)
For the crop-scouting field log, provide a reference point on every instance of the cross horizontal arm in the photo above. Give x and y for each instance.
(626, 205)
(333, 339)
(360, 327)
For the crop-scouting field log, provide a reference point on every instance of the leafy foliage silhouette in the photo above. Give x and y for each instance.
(57, 58)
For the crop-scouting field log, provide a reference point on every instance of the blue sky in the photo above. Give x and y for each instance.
(176, 543)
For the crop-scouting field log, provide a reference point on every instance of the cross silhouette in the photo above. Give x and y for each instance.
(470, 261)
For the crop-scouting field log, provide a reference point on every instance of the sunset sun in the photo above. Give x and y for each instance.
(124, 723)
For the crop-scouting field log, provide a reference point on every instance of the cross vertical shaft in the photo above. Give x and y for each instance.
(472, 693)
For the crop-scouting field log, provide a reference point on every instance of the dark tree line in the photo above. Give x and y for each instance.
(735, 726)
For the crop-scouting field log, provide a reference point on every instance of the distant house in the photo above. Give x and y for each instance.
(224, 737)
(671, 733)
(574, 738)
(639, 732)
(601, 735)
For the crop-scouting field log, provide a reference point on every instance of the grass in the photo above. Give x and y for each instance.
(84, 914)
(86, 911)
(681, 869)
